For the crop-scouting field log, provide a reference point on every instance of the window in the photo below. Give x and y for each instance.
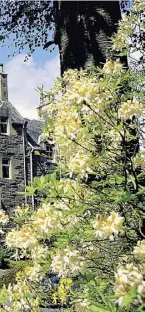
(49, 150)
(3, 125)
(6, 168)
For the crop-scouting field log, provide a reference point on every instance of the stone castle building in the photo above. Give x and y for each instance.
(20, 138)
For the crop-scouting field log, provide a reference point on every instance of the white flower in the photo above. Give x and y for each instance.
(130, 109)
(139, 159)
(109, 227)
(47, 218)
(81, 164)
(139, 5)
(39, 252)
(113, 67)
(82, 305)
(22, 211)
(3, 217)
(139, 250)
(141, 287)
(67, 261)
(34, 273)
(127, 277)
(23, 238)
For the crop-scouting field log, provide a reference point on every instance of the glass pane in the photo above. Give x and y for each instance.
(4, 119)
(6, 172)
(49, 150)
(51, 153)
(3, 128)
(5, 161)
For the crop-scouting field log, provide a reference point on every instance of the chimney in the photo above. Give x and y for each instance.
(3, 85)
(1, 68)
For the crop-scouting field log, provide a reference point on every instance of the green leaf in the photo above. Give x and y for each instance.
(2, 37)
(128, 299)
(97, 307)
(30, 189)
(3, 295)
(36, 153)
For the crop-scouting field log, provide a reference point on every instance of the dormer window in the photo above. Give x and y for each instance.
(3, 125)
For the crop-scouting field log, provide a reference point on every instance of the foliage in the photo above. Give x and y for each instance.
(28, 22)
(8, 273)
(131, 35)
(88, 230)
(33, 23)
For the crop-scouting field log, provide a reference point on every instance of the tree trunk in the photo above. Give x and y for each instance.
(83, 29)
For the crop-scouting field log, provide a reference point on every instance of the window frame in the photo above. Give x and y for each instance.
(4, 123)
(50, 151)
(6, 165)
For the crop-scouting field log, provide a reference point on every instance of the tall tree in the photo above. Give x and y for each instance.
(81, 28)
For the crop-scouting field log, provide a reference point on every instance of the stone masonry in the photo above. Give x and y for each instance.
(12, 148)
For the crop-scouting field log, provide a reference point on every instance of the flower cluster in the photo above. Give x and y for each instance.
(108, 227)
(113, 67)
(67, 262)
(81, 87)
(82, 305)
(34, 273)
(129, 109)
(3, 217)
(39, 252)
(80, 164)
(139, 250)
(126, 278)
(22, 211)
(24, 238)
(139, 5)
(47, 218)
(120, 40)
(22, 297)
(83, 102)
(139, 159)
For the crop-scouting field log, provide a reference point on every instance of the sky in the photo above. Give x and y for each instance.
(24, 77)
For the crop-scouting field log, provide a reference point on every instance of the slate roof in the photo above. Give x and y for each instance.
(34, 127)
(12, 112)
(34, 130)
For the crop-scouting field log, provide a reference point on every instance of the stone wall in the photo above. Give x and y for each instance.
(41, 166)
(12, 147)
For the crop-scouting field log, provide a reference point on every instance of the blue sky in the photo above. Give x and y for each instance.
(24, 77)
(40, 55)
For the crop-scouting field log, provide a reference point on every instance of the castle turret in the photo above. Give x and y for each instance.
(3, 85)
(42, 109)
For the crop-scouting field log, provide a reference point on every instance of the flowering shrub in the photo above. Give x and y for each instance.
(90, 222)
